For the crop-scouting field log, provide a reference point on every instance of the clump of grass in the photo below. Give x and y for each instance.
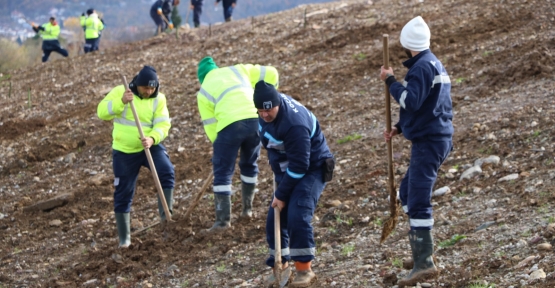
(349, 138)
(348, 249)
(450, 242)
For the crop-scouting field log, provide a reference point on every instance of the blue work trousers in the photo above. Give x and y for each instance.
(241, 135)
(91, 45)
(126, 171)
(228, 9)
(416, 187)
(297, 237)
(49, 46)
(197, 11)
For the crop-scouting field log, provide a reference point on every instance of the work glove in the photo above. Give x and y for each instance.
(159, 11)
(170, 25)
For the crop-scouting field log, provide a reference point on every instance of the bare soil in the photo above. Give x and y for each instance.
(500, 58)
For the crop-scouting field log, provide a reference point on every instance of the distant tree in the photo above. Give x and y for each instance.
(176, 18)
(13, 56)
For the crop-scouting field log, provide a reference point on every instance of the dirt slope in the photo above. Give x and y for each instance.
(500, 58)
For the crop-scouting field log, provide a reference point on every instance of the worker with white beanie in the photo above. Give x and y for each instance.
(425, 119)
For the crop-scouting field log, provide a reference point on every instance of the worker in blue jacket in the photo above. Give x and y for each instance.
(228, 5)
(426, 119)
(196, 6)
(302, 164)
(160, 12)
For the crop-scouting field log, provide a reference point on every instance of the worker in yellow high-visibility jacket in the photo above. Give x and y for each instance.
(49, 33)
(93, 27)
(231, 123)
(129, 149)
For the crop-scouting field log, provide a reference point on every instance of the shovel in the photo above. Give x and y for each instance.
(282, 276)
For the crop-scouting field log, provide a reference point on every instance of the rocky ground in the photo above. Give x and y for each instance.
(494, 225)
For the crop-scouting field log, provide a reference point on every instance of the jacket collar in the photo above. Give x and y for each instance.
(414, 59)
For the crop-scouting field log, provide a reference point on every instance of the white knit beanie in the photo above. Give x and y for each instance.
(415, 35)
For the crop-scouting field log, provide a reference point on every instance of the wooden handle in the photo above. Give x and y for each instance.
(199, 195)
(277, 234)
(391, 185)
(277, 238)
(149, 157)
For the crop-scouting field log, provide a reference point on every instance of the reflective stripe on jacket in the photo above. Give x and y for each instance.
(153, 114)
(226, 95)
(50, 31)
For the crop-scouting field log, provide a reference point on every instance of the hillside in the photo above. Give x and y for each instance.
(493, 229)
(122, 14)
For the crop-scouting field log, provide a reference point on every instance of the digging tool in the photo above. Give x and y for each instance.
(282, 276)
(149, 157)
(199, 195)
(170, 24)
(389, 224)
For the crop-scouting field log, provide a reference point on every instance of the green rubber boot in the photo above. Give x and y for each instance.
(223, 212)
(247, 196)
(168, 194)
(422, 246)
(123, 223)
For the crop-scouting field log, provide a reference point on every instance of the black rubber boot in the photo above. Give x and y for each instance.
(247, 196)
(168, 194)
(422, 246)
(123, 223)
(223, 212)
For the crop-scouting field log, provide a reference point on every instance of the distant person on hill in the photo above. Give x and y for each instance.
(93, 27)
(302, 164)
(196, 6)
(426, 120)
(49, 33)
(231, 124)
(229, 5)
(160, 12)
(128, 152)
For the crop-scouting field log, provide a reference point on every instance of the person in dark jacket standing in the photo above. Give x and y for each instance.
(162, 9)
(49, 33)
(229, 5)
(426, 120)
(196, 6)
(298, 155)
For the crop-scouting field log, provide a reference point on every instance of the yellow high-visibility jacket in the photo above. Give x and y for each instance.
(49, 32)
(153, 115)
(226, 93)
(92, 26)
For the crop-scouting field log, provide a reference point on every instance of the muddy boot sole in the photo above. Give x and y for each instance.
(419, 276)
(305, 283)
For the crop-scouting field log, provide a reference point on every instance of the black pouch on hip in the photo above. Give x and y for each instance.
(329, 165)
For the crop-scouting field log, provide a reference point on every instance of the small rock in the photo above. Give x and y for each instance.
(117, 258)
(471, 172)
(508, 177)
(364, 267)
(426, 285)
(538, 274)
(488, 160)
(333, 203)
(441, 191)
(55, 223)
(545, 247)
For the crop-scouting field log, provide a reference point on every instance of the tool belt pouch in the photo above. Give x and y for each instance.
(328, 167)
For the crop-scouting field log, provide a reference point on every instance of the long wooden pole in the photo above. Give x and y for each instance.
(389, 224)
(199, 195)
(149, 157)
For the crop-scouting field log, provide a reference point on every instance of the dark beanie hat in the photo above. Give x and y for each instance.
(205, 65)
(147, 77)
(265, 96)
(90, 11)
